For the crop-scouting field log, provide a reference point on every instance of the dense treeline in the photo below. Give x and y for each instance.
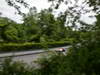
(41, 28)
(37, 27)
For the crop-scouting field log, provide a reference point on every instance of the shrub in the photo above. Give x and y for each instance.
(15, 68)
(29, 45)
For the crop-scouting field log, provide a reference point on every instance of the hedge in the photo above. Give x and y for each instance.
(4, 47)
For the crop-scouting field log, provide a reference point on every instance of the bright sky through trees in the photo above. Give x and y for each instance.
(9, 12)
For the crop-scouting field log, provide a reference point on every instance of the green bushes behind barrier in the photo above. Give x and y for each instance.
(4, 47)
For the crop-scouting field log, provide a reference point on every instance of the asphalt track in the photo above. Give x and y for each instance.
(28, 56)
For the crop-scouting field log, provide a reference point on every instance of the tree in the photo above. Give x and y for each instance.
(53, 28)
(15, 33)
(31, 25)
(4, 22)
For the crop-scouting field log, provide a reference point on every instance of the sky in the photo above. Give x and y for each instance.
(9, 12)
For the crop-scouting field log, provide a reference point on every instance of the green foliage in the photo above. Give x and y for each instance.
(11, 33)
(53, 28)
(5, 47)
(83, 58)
(35, 26)
(14, 68)
(42, 29)
(3, 21)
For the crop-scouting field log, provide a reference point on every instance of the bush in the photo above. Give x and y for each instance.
(4, 47)
(15, 68)
(18, 46)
